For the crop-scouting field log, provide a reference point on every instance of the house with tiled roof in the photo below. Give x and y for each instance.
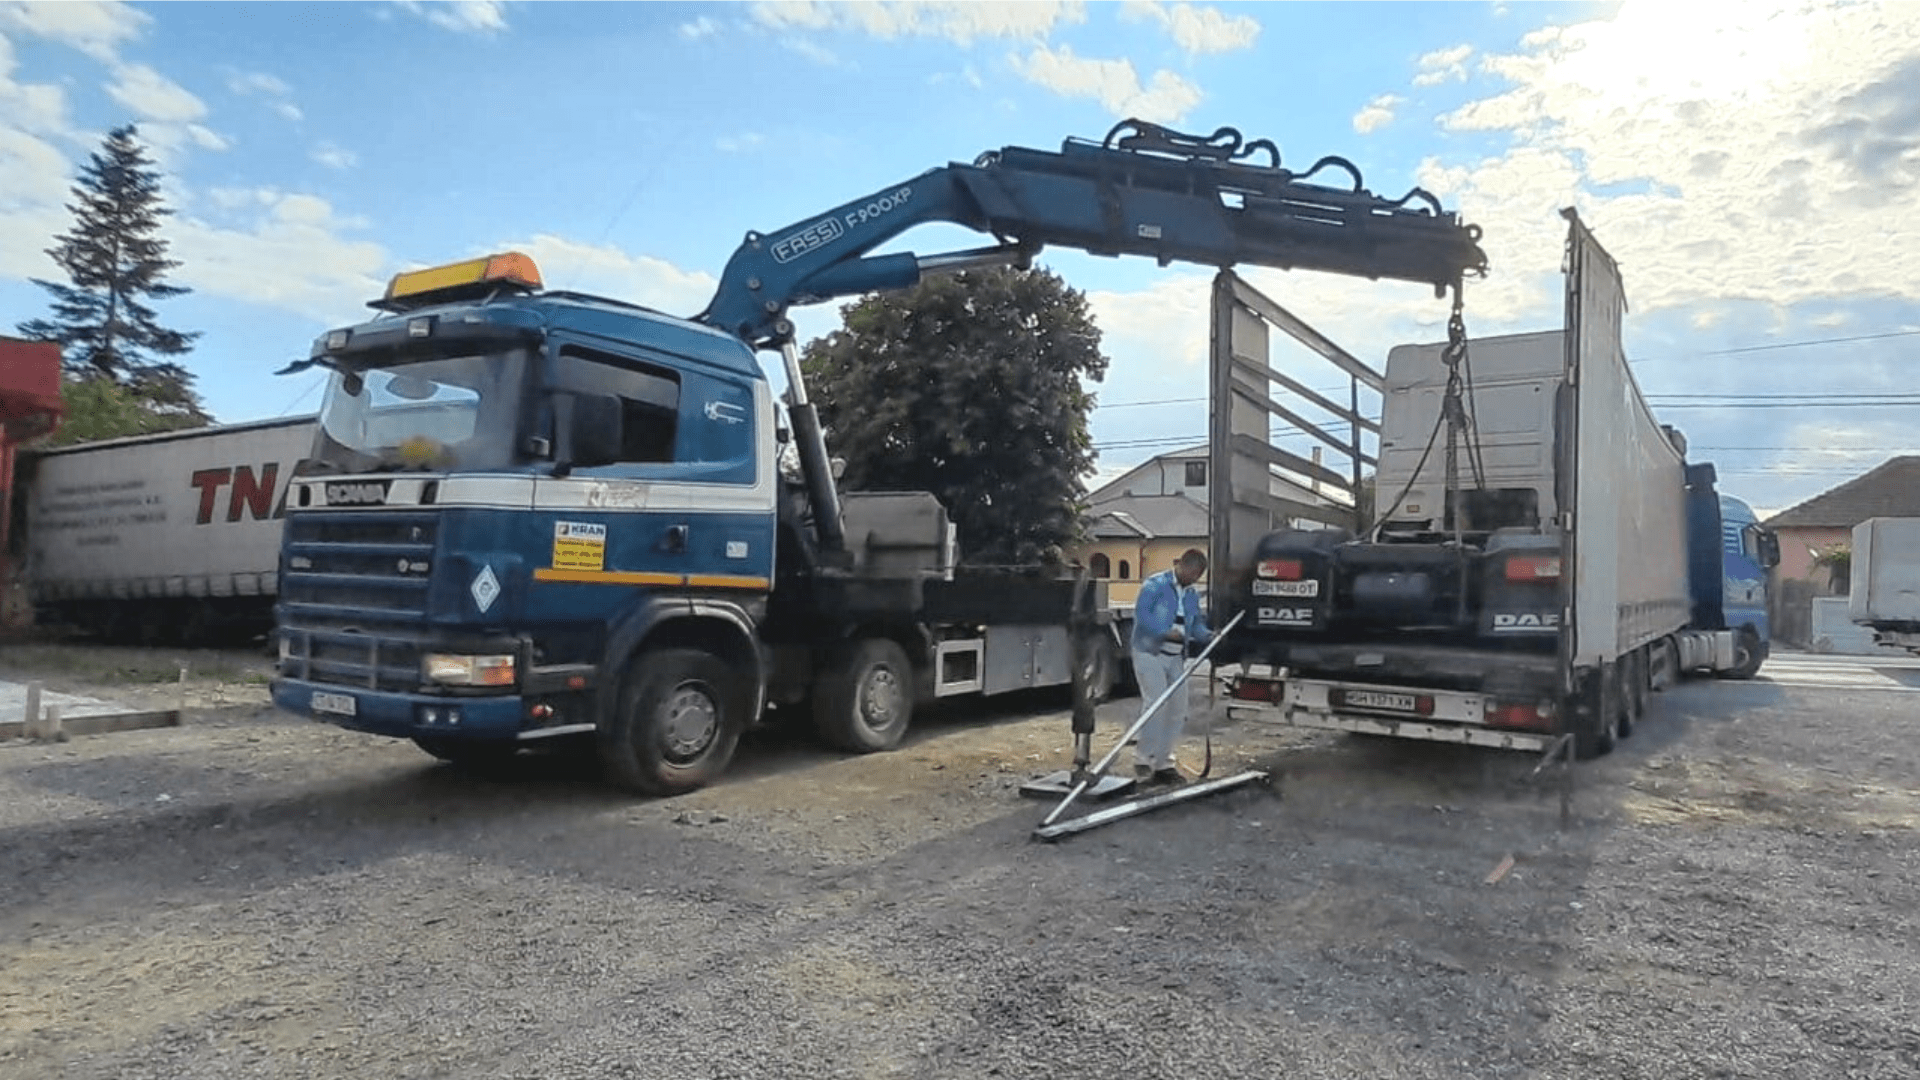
(1891, 489)
(1142, 520)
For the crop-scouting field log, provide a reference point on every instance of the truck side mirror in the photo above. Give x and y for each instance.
(1769, 549)
(590, 430)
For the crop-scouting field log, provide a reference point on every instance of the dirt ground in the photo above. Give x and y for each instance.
(257, 895)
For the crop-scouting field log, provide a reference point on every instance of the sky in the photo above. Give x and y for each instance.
(1753, 166)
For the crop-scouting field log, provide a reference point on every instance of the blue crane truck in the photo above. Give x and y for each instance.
(1527, 588)
(534, 514)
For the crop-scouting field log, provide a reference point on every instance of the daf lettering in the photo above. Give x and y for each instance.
(1509, 622)
(1292, 616)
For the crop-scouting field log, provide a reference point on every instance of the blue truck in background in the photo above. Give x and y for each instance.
(534, 515)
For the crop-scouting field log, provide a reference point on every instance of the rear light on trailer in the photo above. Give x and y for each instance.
(1529, 716)
(1279, 569)
(1533, 568)
(1266, 690)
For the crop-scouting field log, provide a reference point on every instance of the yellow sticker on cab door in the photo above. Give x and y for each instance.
(579, 545)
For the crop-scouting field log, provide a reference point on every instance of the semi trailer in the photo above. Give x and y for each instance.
(1533, 581)
(167, 537)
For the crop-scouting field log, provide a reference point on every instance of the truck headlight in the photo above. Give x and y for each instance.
(449, 669)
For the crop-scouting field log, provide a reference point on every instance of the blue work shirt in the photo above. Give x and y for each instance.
(1161, 598)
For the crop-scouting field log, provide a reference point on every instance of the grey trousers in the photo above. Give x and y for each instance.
(1157, 671)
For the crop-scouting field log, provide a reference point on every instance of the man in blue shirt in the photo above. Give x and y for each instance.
(1166, 616)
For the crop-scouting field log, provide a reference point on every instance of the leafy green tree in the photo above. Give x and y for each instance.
(116, 261)
(99, 408)
(970, 386)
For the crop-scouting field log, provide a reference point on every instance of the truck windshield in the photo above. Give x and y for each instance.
(459, 412)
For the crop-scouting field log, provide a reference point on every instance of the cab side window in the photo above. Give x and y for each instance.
(649, 398)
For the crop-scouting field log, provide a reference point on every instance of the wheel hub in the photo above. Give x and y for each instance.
(880, 698)
(692, 721)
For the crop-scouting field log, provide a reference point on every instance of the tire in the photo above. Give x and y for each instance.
(1633, 691)
(1599, 719)
(675, 724)
(1746, 656)
(471, 752)
(866, 701)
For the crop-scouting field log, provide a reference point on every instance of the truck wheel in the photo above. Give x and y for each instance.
(1599, 719)
(474, 752)
(1632, 694)
(1746, 656)
(675, 724)
(866, 701)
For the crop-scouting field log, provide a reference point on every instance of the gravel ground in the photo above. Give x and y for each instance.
(252, 895)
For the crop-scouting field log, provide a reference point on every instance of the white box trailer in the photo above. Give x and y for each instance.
(1884, 592)
(167, 536)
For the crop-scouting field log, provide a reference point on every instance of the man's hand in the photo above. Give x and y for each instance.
(1176, 634)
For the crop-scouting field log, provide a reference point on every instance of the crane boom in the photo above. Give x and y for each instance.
(1144, 191)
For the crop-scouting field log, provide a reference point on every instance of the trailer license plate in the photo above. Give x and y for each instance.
(1370, 699)
(338, 704)
(1286, 588)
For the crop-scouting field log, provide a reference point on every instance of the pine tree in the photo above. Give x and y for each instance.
(115, 259)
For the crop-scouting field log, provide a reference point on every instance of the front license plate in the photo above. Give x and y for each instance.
(338, 704)
(1370, 699)
(1286, 588)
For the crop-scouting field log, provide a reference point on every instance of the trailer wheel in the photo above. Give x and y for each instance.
(1599, 716)
(675, 725)
(1746, 655)
(1633, 691)
(866, 701)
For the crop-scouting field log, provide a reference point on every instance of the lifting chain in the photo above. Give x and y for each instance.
(1454, 407)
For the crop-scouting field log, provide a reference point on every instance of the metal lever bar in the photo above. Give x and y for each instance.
(1179, 684)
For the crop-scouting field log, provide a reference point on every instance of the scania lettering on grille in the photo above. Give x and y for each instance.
(361, 493)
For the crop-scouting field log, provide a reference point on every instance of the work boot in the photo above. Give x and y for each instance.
(1169, 777)
(1143, 774)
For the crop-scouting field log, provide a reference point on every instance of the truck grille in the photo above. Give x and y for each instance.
(353, 597)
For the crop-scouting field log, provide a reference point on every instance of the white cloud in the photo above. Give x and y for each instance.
(734, 144)
(271, 87)
(257, 82)
(1443, 65)
(461, 16)
(153, 96)
(29, 107)
(1114, 83)
(334, 156)
(1720, 153)
(207, 139)
(699, 28)
(969, 75)
(286, 251)
(1377, 114)
(609, 271)
(813, 51)
(1197, 29)
(959, 21)
(97, 29)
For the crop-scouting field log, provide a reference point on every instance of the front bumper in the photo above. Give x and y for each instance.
(404, 716)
